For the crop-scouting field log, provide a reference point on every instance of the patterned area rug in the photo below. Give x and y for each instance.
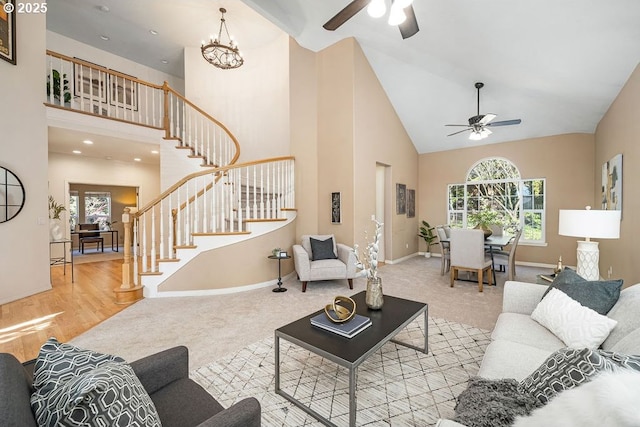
(396, 386)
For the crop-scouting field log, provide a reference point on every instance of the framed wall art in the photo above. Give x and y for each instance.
(90, 83)
(401, 199)
(123, 91)
(612, 184)
(411, 203)
(336, 214)
(8, 30)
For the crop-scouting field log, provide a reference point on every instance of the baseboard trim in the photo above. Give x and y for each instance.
(223, 291)
(404, 258)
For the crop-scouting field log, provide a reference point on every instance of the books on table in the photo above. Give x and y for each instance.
(347, 329)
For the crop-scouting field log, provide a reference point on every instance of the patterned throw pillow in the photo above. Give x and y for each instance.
(110, 395)
(58, 362)
(564, 369)
(600, 296)
(577, 326)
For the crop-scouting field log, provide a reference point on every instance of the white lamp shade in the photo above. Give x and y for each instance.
(589, 224)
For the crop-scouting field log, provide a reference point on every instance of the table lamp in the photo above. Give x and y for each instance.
(589, 224)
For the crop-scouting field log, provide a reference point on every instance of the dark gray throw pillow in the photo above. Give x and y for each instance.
(598, 295)
(493, 403)
(322, 249)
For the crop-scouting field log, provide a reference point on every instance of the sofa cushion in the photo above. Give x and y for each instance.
(521, 328)
(321, 270)
(322, 249)
(577, 326)
(600, 296)
(507, 359)
(627, 313)
(15, 408)
(630, 344)
(109, 395)
(59, 362)
(184, 403)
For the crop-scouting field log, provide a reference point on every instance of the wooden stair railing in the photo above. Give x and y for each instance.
(217, 201)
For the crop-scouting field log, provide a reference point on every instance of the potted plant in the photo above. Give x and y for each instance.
(55, 209)
(483, 219)
(426, 232)
(60, 86)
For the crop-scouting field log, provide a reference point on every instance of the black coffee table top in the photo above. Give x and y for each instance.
(395, 314)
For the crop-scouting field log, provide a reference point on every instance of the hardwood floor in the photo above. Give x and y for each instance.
(64, 312)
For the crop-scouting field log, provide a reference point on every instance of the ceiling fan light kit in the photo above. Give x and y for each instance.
(377, 8)
(401, 14)
(478, 124)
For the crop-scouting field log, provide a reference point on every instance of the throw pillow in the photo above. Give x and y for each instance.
(600, 296)
(322, 249)
(564, 369)
(577, 326)
(110, 395)
(610, 399)
(492, 403)
(58, 362)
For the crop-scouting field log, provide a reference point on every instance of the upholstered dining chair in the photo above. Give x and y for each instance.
(445, 254)
(85, 238)
(319, 257)
(467, 254)
(508, 259)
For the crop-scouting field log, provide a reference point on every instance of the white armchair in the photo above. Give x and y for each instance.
(340, 263)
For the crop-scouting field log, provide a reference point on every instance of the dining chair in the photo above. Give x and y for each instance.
(508, 259)
(467, 254)
(445, 253)
(85, 238)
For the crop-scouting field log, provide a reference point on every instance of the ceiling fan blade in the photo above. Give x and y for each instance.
(466, 126)
(410, 25)
(460, 131)
(506, 122)
(345, 14)
(487, 118)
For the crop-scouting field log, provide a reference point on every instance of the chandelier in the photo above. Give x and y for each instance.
(225, 56)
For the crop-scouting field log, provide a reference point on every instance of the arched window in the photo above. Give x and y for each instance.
(495, 188)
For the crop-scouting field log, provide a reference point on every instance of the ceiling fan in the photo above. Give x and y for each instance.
(479, 123)
(401, 14)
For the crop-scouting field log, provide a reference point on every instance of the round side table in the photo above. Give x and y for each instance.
(279, 258)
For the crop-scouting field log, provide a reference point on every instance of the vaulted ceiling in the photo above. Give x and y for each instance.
(557, 65)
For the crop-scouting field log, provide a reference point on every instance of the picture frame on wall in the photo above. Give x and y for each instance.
(90, 83)
(8, 30)
(123, 91)
(411, 203)
(612, 184)
(336, 214)
(401, 199)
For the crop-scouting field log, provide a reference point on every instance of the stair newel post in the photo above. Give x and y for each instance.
(127, 292)
(174, 225)
(167, 129)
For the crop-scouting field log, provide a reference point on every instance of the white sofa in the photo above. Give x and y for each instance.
(520, 345)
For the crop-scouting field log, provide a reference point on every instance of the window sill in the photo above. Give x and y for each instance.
(540, 244)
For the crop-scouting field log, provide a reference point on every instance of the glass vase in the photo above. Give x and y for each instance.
(374, 297)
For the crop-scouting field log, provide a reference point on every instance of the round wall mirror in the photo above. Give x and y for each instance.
(11, 195)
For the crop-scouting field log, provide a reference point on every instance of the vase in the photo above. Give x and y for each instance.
(374, 297)
(55, 230)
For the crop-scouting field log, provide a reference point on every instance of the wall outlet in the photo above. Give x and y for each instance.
(373, 217)
(609, 272)
(407, 245)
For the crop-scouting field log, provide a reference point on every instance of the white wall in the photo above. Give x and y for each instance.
(24, 241)
(252, 101)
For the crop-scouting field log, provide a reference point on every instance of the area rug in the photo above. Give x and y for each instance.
(396, 386)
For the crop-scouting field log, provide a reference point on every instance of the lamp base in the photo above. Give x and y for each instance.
(588, 259)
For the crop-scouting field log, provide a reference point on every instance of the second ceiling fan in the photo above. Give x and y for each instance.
(479, 123)
(401, 14)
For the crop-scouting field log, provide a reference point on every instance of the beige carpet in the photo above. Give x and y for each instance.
(215, 326)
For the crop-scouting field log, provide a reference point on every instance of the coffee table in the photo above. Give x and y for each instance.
(394, 316)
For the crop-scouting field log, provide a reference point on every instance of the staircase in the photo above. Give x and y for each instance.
(225, 203)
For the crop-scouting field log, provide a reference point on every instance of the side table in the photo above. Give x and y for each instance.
(279, 258)
(62, 260)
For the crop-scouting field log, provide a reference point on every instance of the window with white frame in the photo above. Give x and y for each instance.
(495, 184)
(97, 208)
(74, 203)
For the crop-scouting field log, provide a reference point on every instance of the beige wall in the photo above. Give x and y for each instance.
(617, 133)
(241, 264)
(24, 252)
(566, 161)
